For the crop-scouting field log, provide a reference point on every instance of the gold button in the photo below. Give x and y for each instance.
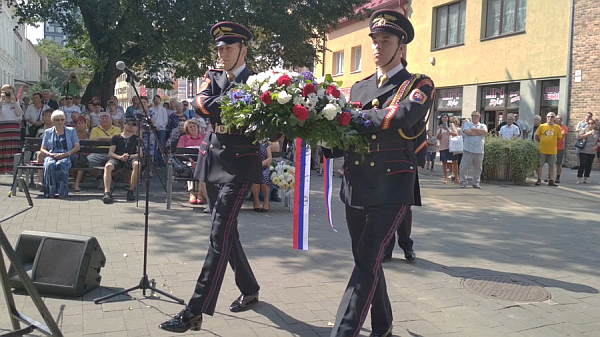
(388, 170)
(411, 167)
(211, 146)
(224, 147)
(372, 163)
(375, 102)
(374, 137)
(356, 162)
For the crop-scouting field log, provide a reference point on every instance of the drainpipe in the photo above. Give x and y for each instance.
(569, 62)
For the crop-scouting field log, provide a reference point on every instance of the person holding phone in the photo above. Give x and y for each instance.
(443, 134)
(72, 86)
(10, 124)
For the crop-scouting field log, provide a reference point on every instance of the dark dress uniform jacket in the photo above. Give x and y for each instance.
(388, 173)
(224, 157)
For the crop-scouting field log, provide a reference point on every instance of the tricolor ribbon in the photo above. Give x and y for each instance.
(327, 188)
(301, 193)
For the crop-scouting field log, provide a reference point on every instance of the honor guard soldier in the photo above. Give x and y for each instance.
(378, 188)
(229, 163)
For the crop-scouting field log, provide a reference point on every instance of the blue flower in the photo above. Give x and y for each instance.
(307, 75)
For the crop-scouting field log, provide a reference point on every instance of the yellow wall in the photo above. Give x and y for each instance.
(538, 53)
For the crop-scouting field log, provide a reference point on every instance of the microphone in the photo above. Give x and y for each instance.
(121, 66)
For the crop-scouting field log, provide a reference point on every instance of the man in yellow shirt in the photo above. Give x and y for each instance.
(548, 135)
(105, 131)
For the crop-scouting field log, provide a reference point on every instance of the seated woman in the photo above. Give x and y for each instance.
(266, 157)
(82, 133)
(193, 138)
(59, 145)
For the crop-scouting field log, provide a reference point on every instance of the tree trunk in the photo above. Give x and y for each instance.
(102, 84)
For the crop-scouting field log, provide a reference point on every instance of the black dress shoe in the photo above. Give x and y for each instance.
(242, 302)
(182, 322)
(388, 333)
(410, 255)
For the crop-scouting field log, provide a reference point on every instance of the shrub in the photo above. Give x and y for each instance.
(509, 160)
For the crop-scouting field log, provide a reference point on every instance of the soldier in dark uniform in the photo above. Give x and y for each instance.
(229, 163)
(379, 188)
(405, 227)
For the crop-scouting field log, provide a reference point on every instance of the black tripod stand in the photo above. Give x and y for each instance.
(145, 283)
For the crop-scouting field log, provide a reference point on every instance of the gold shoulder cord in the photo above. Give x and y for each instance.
(404, 93)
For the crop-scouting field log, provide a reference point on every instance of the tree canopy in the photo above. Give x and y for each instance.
(61, 62)
(155, 35)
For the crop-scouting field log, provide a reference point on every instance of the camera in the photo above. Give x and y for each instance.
(6, 93)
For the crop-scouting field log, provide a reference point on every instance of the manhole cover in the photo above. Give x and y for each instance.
(506, 288)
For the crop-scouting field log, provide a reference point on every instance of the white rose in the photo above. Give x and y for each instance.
(320, 93)
(283, 97)
(330, 111)
(265, 87)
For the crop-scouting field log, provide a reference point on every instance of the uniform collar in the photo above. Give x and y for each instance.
(237, 71)
(390, 73)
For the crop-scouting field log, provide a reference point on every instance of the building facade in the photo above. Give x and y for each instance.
(20, 64)
(584, 73)
(494, 56)
(53, 31)
(349, 57)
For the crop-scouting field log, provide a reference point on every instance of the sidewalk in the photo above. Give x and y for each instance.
(525, 240)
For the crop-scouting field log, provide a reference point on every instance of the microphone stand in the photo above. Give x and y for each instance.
(144, 283)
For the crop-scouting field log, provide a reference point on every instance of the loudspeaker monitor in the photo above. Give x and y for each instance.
(59, 264)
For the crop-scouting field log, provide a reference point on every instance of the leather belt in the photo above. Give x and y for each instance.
(223, 130)
(391, 146)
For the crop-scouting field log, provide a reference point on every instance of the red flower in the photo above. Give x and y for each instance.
(284, 80)
(333, 91)
(344, 118)
(266, 98)
(356, 105)
(300, 112)
(308, 89)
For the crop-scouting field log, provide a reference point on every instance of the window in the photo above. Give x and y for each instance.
(59, 29)
(356, 59)
(338, 63)
(450, 25)
(505, 17)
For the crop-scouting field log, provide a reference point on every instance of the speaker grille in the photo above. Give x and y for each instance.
(59, 261)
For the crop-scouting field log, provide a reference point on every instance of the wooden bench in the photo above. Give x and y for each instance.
(31, 145)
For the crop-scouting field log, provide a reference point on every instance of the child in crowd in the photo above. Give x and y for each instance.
(431, 150)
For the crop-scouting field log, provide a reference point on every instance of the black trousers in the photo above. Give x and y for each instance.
(585, 165)
(403, 234)
(225, 201)
(371, 230)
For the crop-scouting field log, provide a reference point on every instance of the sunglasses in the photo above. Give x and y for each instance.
(69, 98)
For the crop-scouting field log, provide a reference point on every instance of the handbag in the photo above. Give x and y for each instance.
(80, 161)
(456, 144)
(580, 143)
(181, 169)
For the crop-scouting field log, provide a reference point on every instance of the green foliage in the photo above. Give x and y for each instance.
(510, 160)
(61, 61)
(44, 83)
(154, 35)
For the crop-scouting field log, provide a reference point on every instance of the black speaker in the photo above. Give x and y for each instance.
(59, 264)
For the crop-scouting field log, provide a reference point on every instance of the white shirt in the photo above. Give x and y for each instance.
(8, 112)
(34, 114)
(509, 131)
(160, 117)
(237, 71)
(68, 110)
(390, 73)
(473, 144)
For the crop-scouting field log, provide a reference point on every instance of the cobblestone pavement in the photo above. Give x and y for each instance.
(543, 236)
